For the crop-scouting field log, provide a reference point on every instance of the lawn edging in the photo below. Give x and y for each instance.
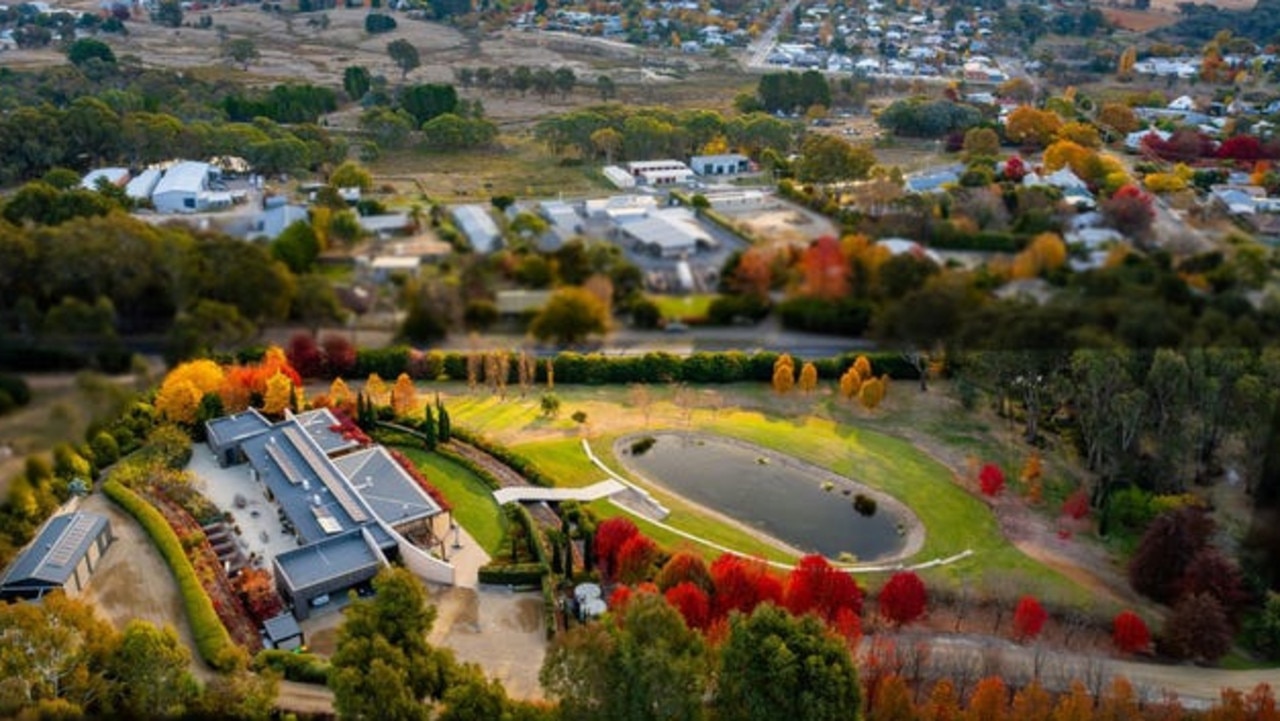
(212, 640)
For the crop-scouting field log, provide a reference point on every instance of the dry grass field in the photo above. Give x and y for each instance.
(1162, 13)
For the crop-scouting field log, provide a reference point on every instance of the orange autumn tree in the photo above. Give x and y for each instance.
(784, 374)
(825, 270)
(184, 387)
(404, 396)
(808, 377)
(278, 396)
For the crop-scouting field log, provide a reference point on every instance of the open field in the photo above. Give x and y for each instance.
(676, 307)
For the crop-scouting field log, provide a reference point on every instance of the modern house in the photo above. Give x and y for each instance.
(61, 558)
(352, 509)
(475, 222)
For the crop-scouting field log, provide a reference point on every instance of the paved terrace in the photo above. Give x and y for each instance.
(527, 494)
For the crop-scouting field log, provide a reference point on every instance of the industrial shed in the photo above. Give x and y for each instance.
(475, 222)
(61, 558)
(184, 188)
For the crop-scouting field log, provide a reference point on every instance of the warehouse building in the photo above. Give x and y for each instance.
(63, 556)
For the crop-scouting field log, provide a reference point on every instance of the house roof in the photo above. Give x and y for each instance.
(230, 430)
(143, 184)
(475, 222)
(668, 229)
(57, 550)
(393, 495)
(115, 176)
(319, 423)
(339, 557)
(185, 177)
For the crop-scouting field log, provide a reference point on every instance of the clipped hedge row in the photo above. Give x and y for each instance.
(212, 640)
(300, 667)
(549, 605)
(947, 237)
(599, 369)
(519, 575)
(517, 463)
(482, 473)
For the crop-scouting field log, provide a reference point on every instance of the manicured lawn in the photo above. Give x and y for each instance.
(849, 441)
(473, 504)
(676, 307)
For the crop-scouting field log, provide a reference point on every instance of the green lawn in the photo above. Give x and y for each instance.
(473, 504)
(850, 442)
(677, 307)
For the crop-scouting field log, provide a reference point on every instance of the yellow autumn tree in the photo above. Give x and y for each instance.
(784, 374)
(375, 389)
(1083, 134)
(872, 393)
(808, 377)
(340, 394)
(1128, 58)
(850, 383)
(279, 393)
(863, 365)
(1162, 183)
(1028, 126)
(179, 396)
(1066, 153)
(404, 396)
(716, 146)
(1044, 253)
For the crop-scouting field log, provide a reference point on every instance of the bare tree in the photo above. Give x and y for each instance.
(686, 399)
(639, 396)
(526, 372)
(474, 363)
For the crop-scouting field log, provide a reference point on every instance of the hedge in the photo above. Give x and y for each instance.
(300, 667)
(520, 575)
(549, 605)
(482, 473)
(846, 316)
(212, 640)
(500, 452)
(654, 367)
(946, 236)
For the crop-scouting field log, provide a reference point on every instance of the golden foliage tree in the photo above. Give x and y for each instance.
(1066, 153)
(1124, 67)
(1045, 252)
(808, 377)
(404, 396)
(1028, 126)
(1119, 118)
(872, 392)
(784, 374)
(191, 380)
(279, 394)
(340, 395)
(1032, 703)
(851, 382)
(375, 389)
(863, 365)
(1082, 134)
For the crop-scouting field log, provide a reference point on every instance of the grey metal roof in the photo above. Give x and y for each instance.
(230, 430)
(352, 552)
(392, 493)
(282, 627)
(57, 549)
(315, 496)
(319, 424)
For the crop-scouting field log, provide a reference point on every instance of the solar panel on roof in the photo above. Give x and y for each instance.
(70, 540)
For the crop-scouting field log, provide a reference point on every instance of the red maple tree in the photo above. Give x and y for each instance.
(305, 355)
(903, 598)
(610, 536)
(1076, 506)
(339, 355)
(685, 566)
(826, 269)
(1130, 632)
(741, 585)
(635, 559)
(1028, 618)
(814, 585)
(693, 604)
(991, 480)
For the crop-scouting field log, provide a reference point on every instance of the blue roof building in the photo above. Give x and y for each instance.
(62, 557)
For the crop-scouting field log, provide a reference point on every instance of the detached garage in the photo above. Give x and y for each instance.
(63, 556)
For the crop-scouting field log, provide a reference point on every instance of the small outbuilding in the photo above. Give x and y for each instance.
(725, 164)
(185, 188)
(282, 632)
(61, 558)
(475, 222)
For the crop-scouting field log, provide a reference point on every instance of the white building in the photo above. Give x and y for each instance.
(143, 184)
(116, 176)
(659, 172)
(475, 222)
(666, 233)
(621, 179)
(726, 164)
(184, 188)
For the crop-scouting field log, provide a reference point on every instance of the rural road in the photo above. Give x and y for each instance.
(758, 50)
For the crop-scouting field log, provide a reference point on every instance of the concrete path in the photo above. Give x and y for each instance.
(594, 492)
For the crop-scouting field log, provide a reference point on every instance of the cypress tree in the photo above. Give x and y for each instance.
(428, 428)
(446, 427)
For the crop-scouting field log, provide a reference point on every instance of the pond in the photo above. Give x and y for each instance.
(781, 496)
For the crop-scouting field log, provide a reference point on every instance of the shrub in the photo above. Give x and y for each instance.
(641, 446)
(16, 388)
(520, 575)
(375, 23)
(991, 480)
(1130, 632)
(212, 640)
(1028, 618)
(299, 667)
(865, 505)
(903, 598)
(845, 316)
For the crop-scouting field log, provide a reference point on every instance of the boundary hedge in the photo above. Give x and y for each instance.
(212, 640)
(600, 369)
(299, 667)
(521, 575)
